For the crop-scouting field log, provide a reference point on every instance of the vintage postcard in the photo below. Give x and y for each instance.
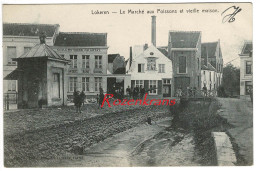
(107, 85)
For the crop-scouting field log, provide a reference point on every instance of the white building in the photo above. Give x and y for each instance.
(151, 69)
(208, 77)
(211, 53)
(246, 69)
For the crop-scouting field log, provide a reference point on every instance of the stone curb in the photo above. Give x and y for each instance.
(224, 150)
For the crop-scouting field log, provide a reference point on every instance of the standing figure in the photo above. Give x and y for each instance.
(250, 91)
(77, 101)
(97, 99)
(142, 92)
(134, 93)
(128, 91)
(121, 93)
(204, 91)
(194, 91)
(101, 97)
(179, 92)
(82, 97)
(188, 91)
(137, 92)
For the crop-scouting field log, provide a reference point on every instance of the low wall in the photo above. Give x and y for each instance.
(224, 151)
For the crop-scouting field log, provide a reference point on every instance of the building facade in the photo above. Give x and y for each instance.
(246, 69)
(151, 69)
(88, 66)
(208, 77)
(18, 39)
(184, 50)
(211, 53)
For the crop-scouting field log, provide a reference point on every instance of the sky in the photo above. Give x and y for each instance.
(125, 30)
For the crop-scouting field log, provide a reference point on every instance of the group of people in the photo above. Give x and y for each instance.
(78, 99)
(118, 92)
(136, 92)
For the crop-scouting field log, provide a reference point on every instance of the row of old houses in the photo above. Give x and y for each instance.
(80, 61)
(184, 63)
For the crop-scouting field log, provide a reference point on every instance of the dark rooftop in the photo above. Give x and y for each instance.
(24, 29)
(184, 39)
(208, 49)
(81, 39)
(247, 49)
(112, 57)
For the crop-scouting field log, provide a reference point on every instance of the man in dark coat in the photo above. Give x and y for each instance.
(142, 92)
(101, 97)
(204, 91)
(77, 101)
(129, 91)
(82, 97)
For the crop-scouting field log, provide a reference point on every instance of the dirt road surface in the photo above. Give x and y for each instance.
(145, 145)
(239, 113)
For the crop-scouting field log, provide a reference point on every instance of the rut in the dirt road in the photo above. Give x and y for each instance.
(165, 149)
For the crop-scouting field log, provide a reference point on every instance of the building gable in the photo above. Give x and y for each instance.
(151, 51)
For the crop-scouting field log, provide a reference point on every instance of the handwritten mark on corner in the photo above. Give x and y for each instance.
(230, 13)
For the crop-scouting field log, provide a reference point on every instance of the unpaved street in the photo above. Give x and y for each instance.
(145, 145)
(239, 113)
(108, 139)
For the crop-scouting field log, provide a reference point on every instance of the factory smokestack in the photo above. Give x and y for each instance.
(131, 57)
(154, 30)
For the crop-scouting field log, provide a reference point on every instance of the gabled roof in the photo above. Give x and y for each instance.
(184, 39)
(112, 57)
(208, 49)
(81, 39)
(41, 50)
(151, 51)
(24, 29)
(247, 48)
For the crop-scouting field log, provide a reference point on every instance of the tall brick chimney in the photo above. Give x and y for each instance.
(131, 57)
(154, 30)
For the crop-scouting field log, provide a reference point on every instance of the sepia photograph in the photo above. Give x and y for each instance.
(127, 85)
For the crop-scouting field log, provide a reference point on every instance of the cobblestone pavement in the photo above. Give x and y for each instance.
(49, 133)
(239, 113)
